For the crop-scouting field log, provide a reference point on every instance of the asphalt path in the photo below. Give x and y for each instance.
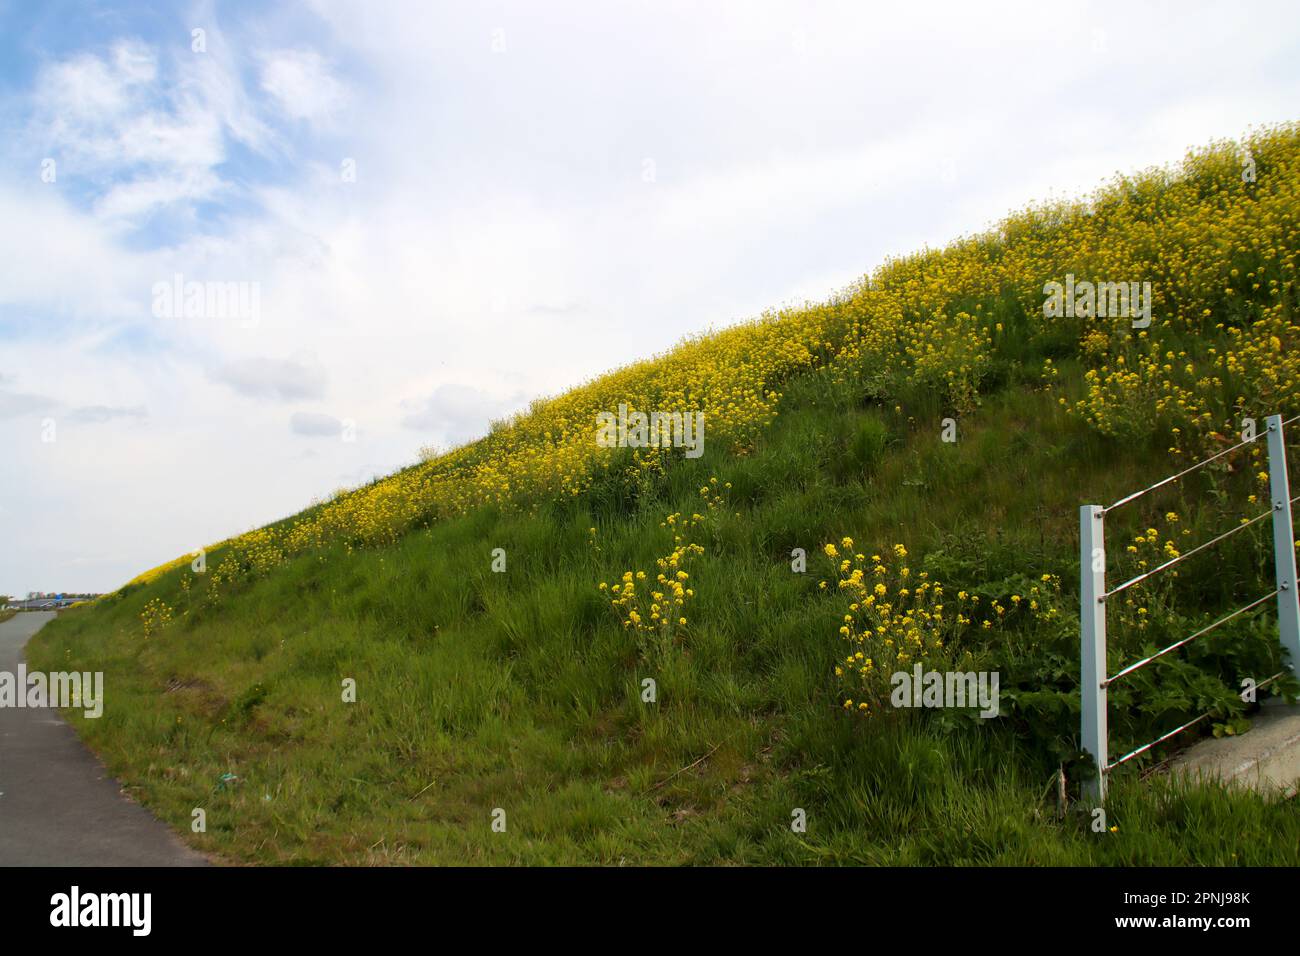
(58, 805)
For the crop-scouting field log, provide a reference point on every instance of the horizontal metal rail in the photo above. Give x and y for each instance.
(1155, 743)
(1177, 730)
(1184, 556)
(1187, 471)
(1187, 640)
(1172, 478)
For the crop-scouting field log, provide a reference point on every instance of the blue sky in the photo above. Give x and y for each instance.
(541, 193)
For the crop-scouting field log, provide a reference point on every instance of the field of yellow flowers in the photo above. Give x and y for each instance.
(1219, 251)
(679, 652)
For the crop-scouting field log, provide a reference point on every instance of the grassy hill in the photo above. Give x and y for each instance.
(523, 689)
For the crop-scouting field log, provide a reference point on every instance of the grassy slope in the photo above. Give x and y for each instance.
(520, 690)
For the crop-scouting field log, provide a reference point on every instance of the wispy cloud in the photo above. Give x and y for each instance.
(456, 412)
(302, 84)
(102, 414)
(283, 380)
(149, 129)
(315, 425)
(15, 404)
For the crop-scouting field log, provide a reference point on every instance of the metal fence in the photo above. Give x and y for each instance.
(1094, 597)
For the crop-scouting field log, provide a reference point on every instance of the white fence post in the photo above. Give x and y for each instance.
(1092, 642)
(1288, 610)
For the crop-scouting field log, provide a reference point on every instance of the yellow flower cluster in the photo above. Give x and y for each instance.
(1147, 550)
(894, 620)
(660, 610)
(1221, 250)
(1129, 397)
(155, 616)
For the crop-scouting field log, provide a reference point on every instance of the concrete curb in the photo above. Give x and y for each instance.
(1266, 759)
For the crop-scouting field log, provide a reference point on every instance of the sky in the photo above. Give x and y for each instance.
(391, 223)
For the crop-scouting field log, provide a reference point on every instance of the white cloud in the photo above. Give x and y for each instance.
(283, 380)
(16, 404)
(132, 200)
(89, 91)
(301, 82)
(155, 137)
(135, 63)
(315, 425)
(102, 414)
(456, 412)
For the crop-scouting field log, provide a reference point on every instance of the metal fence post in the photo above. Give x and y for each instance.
(1092, 642)
(1288, 610)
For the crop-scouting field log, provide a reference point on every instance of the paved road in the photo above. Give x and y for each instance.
(58, 805)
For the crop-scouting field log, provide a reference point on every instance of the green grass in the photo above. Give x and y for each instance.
(521, 690)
